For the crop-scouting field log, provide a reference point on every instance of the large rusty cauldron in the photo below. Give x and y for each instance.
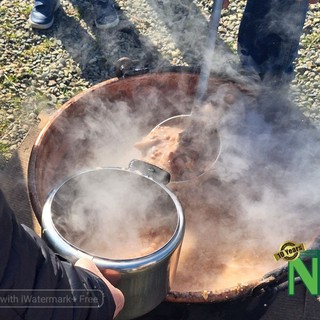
(60, 151)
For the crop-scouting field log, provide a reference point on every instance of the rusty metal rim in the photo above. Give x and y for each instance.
(225, 295)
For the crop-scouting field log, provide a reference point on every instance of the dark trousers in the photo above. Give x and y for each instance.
(269, 36)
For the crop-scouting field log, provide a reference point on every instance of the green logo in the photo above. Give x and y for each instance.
(303, 264)
(309, 274)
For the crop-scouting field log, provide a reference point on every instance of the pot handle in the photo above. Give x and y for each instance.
(149, 170)
(126, 67)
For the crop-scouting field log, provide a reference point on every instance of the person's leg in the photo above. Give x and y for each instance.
(106, 15)
(269, 37)
(42, 14)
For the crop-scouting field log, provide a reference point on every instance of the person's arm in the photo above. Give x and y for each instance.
(28, 268)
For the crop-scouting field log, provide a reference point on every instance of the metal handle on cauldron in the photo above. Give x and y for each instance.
(125, 67)
(149, 170)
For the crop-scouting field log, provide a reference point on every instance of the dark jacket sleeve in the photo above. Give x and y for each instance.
(36, 284)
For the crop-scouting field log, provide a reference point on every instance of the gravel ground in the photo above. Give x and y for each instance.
(43, 69)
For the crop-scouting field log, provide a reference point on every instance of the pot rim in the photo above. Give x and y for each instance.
(62, 245)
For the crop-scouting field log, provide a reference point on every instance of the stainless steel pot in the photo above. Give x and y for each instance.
(144, 279)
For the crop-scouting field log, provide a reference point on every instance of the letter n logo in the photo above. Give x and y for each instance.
(310, 279)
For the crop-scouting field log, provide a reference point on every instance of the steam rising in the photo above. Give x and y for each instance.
(262, 191)
(114, 214)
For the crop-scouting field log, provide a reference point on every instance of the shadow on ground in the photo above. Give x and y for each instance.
(96, 50)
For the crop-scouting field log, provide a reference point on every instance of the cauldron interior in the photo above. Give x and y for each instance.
(60, 150)
(63, 149)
